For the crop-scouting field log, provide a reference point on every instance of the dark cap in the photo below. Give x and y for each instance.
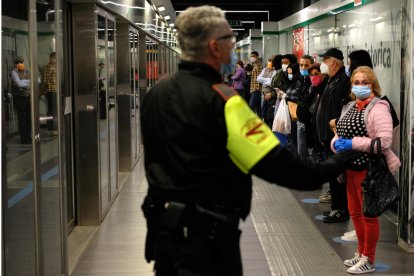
(19, 59)
(333, 52)
(314, 66)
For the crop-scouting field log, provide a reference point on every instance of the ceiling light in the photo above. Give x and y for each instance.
(376, 19)
(167, 17)
(161, 8)
(172, 25)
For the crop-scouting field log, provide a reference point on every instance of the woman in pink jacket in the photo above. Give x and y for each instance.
(366, 118)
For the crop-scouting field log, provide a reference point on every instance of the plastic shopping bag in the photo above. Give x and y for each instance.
(281, 122)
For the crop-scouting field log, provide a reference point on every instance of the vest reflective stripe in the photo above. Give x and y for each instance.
(249, 139)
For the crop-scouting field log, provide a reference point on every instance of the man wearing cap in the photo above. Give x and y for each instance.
(335, 95)
(20, 89)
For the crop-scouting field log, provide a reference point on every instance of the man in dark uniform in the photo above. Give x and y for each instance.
(202, 143)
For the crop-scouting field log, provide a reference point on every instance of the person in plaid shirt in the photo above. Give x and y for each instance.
(255, 87)
(49, 88)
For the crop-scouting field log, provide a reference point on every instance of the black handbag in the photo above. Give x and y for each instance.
(380, 190)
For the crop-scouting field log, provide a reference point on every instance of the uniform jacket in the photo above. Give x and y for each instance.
(378, 122)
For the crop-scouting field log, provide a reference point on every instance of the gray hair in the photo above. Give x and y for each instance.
(195, 26)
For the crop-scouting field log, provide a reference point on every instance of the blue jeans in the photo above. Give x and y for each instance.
(255, 102)
(302, 141)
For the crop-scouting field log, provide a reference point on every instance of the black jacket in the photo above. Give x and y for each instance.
(185, 137)
(335, 96)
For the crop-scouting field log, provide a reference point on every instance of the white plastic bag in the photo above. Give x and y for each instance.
(281, 122)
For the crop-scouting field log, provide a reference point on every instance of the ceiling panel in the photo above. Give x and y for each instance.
(246, 11)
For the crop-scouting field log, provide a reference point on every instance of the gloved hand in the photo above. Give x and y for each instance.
(343, 144)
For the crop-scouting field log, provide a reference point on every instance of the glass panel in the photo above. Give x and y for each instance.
(134, 71)
(137, 99)
(135, 96)
(49, 143)
(67, 121)
(17, 172)
(149, 63)
(103, 122)
(155, 63)
(112, 109)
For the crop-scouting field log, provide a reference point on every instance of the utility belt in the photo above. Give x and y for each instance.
(182, 219)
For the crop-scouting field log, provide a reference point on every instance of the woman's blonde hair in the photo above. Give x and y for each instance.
(371, 77)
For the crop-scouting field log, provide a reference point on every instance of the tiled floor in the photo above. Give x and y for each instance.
(281, 237)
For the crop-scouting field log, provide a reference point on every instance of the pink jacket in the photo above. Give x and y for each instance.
(378, 122)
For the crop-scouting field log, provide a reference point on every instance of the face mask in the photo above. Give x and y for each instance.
(252, 59)
(316, 80)
(290, 76)
(284, 67)
(269, 66)
(228, 68)
(304, 72)
(20, 66)
(324, 68)
(361, 92)
(347, 71)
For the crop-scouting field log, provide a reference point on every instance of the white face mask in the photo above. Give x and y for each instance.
(284, 67)
(253, 59)
(324, 68)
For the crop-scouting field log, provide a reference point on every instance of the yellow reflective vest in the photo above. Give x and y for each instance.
(249, 139)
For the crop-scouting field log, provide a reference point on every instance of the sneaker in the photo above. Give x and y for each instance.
(353, 261)
(326, 198)
(363, 266)
(350, 233)
(326, 213)
(336, 216)
(349, 236)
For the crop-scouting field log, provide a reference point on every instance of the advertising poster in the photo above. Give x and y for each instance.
(298, 42)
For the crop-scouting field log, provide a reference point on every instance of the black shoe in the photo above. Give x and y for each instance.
(326, 213)
(336, 216)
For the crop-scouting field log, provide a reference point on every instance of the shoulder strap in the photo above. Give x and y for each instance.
(224, 91)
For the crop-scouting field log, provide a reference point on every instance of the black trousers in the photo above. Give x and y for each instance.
(203, 250)
(24, 117)
(338, 190)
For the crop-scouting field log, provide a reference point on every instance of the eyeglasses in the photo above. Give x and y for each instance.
(363, 83)
(231, 36)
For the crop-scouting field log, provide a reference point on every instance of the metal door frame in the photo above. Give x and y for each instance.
(108, 16)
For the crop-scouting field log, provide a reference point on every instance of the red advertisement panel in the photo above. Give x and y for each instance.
(298, 42)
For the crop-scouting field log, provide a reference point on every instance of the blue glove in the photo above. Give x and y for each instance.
(343, 144)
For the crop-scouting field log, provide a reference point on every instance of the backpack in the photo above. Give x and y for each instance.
(395, 121)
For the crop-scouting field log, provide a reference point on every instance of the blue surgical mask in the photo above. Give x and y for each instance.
(228, 68)
(304, 72)
(347, 71)
(290, 76)
(361, 92)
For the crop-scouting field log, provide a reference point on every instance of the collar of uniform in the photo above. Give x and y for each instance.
(201, 69)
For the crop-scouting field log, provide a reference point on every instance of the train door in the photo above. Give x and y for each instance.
(32, 172)
(107, 125)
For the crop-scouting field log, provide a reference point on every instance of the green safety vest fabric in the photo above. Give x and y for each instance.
(249, 139)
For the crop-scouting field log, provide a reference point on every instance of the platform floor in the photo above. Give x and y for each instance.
(282, 236)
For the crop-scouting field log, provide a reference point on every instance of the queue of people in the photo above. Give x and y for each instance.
(337, 108)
